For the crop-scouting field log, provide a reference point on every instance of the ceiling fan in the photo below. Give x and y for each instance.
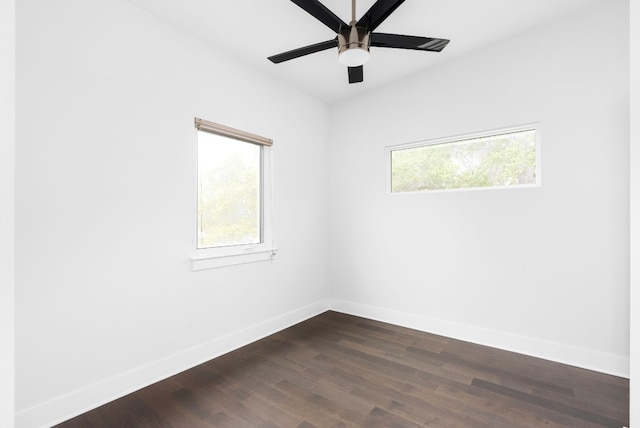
(354, 39)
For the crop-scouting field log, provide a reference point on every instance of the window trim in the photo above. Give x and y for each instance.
(211, 258)
(533, 126)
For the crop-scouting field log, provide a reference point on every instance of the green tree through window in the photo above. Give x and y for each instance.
(229, 191)
(506, 159)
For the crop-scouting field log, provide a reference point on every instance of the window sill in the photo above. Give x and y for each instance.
(217, 258)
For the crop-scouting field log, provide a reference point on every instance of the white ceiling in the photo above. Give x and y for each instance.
(252, 30)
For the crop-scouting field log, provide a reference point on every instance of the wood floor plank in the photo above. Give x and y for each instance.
(337, 370)
(544, 415)
(493, 413)
(556, 406)
(530, 381)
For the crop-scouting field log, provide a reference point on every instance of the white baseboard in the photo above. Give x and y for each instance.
(616, 365)
(77, 402)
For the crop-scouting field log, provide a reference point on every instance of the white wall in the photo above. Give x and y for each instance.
(543, 271)
(635, 212)
(7, 208)
(106, 300)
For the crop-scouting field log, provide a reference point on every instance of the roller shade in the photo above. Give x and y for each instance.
(216, 128)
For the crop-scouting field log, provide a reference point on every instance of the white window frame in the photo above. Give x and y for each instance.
(534, 126)
(216, 257)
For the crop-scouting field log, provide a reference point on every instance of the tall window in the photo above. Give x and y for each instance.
(504, 158)
(234, 196)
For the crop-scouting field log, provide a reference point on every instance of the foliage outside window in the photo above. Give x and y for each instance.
(229, 196)
(233, 197)
(504, 158)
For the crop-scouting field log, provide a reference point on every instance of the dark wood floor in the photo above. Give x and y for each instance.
(336, 370)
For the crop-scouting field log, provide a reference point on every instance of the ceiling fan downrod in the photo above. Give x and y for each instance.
(353, 42)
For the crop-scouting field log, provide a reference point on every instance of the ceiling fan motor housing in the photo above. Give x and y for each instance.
(353, 37)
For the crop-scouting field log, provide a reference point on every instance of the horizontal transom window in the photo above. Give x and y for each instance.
(502, 158)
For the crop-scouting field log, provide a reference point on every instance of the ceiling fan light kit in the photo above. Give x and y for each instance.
(353, 40)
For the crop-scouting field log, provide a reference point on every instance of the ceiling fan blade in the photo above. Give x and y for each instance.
(321, 13)
(356, 74)
(378, 13)
(400, 41)
(297, 53)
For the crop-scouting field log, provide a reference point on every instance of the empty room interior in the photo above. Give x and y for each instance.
(115, 288)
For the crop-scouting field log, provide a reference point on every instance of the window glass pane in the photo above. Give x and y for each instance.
(229, 191)
(507, 159)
